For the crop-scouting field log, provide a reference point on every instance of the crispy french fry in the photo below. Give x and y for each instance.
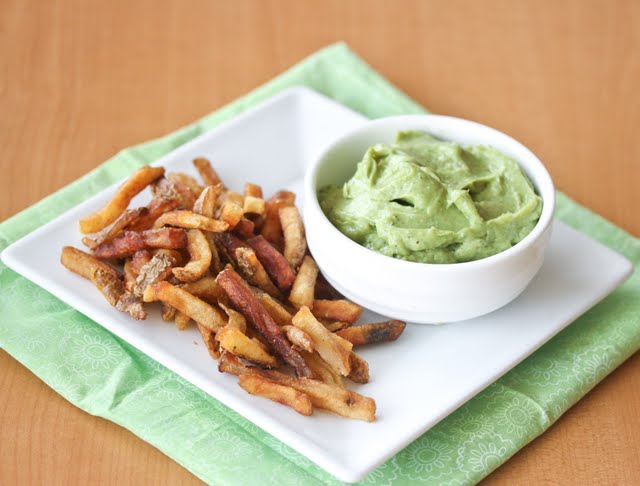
(139, 259)
(254, 272)
(190, 220)
(168, 313)
(131, 305)
(253, 205)
(325, 372)
(233, 340)
(228, 363)
(127, 218)
(373, 333)
(216, 263)
(181, 179)
(263, 387)
(82, 263)
(245, 228)
(112, 287)
(333, 398)
(334, 326)
(155, 270)
(228, 244)
(157, 207)
(325, 343)
(231, 210)
(182, 320)
(235, 318)
(275, 309)
(129, 275)
(252, 190)
(359, 369)
(244, 301)
(207, 172)
(188, 304)
(209, 338)
(274, 262)
(337, 310)
(271, 227)
(118, 204)
(200, 261)
(298, 337)
(131, 242)
(206, 289)
(206, 202)
(304, 285)
(295, 243)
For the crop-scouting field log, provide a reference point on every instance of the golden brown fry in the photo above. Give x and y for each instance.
(182, 320)
(129, 275)
(325, 372)
(328, 397)
(228, 363)
(298, 337)
(325, 343)
(82, 263)
(275, 309)
(155, 270)
(235, 341)
(263, 387)
(253, 205)
(337, 310)
(206, 202)
(245, 302)
(118, 204)
(231, 209)
(182, 179)
(304, 285)
(190, 220)
(295, 243)
(252, 190)
(129, 217)
(200, 261)
(209, 338)
(254, 272)
(235, 318)
(271, 227)
(373, 333)
(216, 262)
(109, 284)
(188, 304)
(207, 173)
(131, 242)
(168, 313)
(157, 207)
(334, 326)
(274, 262)
(206, 289)
(359, 369)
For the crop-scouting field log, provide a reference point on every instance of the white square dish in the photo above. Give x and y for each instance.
(270, 145)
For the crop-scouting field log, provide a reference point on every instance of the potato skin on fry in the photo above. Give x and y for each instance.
(274, 262)
(271, 228)
(127, 218)
(102, 218)
(131, 242)
(285, 395)
(373, 333)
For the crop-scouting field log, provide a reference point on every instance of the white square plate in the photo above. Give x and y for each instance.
(270, 145)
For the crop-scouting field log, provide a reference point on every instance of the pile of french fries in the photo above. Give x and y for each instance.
(237, 267)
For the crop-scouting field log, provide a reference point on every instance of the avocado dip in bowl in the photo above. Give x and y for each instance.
(428, 218)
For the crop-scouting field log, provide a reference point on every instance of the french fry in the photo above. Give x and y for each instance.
(200, 261)
(209, 338)
(181, 179)
(228, 363)
(206, 289)
(102, 218)
(244, 301)
(129, 275)
(139, 259)
(359, 369)
(131, 242)
(334, 326)
(157, 207)
(325, 372)
(207, 172)
(198, 310)
(275, 309)
(110, 285)
(253, 205)
(235, 318)
(263, 387)
(254, 272)
(190, 220)
(206, 202)
(233, 340)
(155, 270)
(271, 228)
(131, 305)
(333, 398)
(325, 343)
(216, 263)
(303, 288)
(228, 244)
(82, 263)
(373, 333)
(298, 337)
(295, 243)
(182, 320)
(231, 209)
(274, 262)
(252, 190)
(337, 310)
(168, 313)
(245, 228)
(127, 218)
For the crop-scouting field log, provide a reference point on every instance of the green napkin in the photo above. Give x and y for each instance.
(107, 377)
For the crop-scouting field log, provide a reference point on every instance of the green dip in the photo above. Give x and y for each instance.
(426, 200)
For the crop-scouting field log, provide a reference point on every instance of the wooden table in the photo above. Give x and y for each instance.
(81, 79)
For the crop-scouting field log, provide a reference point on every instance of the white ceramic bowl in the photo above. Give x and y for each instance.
(421, 292)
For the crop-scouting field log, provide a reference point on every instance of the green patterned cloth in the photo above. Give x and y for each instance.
(107, 377)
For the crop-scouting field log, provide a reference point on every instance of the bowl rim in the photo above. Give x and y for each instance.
(544, 187)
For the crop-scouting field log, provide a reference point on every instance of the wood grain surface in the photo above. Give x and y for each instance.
(80, 80)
